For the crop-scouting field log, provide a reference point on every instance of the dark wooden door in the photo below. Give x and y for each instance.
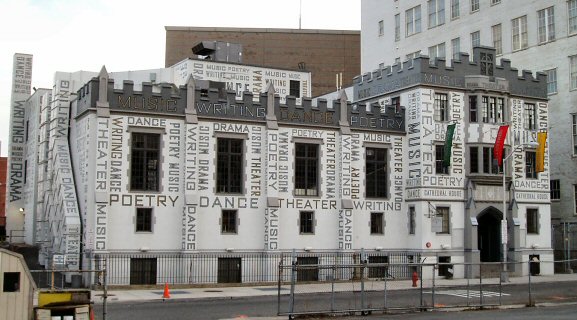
(143, 271)
(229, 270)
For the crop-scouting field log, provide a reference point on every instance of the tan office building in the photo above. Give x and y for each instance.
(325, 53)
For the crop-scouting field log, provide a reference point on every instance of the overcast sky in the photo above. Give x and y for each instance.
(72, 35)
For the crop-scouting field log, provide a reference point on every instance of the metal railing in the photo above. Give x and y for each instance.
(223, 267)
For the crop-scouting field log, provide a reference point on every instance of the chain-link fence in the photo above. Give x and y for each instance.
(227, 267)
(564, 238)
(68, 279)
(364, 287)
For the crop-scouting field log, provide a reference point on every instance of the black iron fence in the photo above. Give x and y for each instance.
(234, 267)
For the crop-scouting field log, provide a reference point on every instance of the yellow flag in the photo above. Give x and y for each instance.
(542, 140)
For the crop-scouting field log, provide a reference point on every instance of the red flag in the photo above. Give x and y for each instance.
(499, 142)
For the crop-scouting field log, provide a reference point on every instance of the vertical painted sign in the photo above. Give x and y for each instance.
(21, 83)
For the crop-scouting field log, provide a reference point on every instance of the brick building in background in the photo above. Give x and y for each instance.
(325, 53)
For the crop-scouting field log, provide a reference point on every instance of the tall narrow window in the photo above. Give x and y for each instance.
(475, 39)
(574, 129)
(532, 221)
(519, 29)
(228, 223)
(530, 165)
(497, 38)
(295, 88)
(440, 167)
(551, 81)
(436, 13)
(493, 2)
(455, 10)
(413, 20)
(381, 28)
(555, 186)
(490, 165)
(412, 222)
(485, 109)
(443, 213)
(473, 109)
(307, 222)
(546, 28)
(572, 16)
(229, 165)
(441, 106)
(474, 5)
(493, 109)
(575, 198)
(143, 219)
(396, 102)
(456, 48)
(573, 71)
(376, 180)
(487, 63)
(530, 117)
(397, 27)
(306, 169)
(377, 219)
(144, 161)
(474, 159)
(500, 110)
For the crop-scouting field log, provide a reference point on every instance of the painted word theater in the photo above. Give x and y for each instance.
(404, 172)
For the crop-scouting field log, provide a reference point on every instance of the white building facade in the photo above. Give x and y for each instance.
(133, 175)
(536, 35)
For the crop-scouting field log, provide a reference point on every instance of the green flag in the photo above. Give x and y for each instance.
(448, 144)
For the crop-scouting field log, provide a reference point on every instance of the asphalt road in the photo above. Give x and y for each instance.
(215, 309)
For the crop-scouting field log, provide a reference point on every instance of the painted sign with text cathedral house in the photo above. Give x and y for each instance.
(190, 170)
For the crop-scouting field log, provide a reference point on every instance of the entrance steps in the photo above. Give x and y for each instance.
(491, 270)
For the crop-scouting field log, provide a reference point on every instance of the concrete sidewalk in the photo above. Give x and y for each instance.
(119, 296)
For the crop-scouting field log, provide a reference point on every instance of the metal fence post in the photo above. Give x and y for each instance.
(468, 295)
(363, 265)
(531, 303)
(293, 280)
(104, 292)
(333, 287)
(421, 275)
(385, 306)
(280, 276)
(500, 291)
(433, 290)
(481, 285)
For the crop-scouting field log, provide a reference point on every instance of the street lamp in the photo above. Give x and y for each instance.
(504, 233)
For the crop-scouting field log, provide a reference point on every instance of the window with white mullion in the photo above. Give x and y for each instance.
(497, 38)
(413, 20)
(551, 81)
(574, 126)
(520, 37)
(455, 10)
(546, 27)
(572, 16)
(573, 71)
(436, 13)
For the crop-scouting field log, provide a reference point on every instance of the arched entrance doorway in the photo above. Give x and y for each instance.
(489, 235)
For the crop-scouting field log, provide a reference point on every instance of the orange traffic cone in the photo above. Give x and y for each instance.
(166, 293)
